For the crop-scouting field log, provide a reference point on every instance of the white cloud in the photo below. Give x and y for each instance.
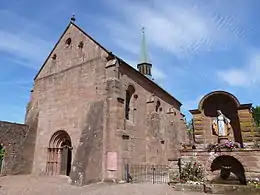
(192, 104)
(15, 82)
(158, 74)
(177, 27)
(174, 26)
(24, 47)
(23, 41)
(246, 76)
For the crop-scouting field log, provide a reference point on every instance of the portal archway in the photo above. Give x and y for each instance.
(59, 154)
(228, 104)
(229, 164)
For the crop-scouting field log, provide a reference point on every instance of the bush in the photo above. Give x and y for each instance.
(2, 153)
(228, 145)
(191, 171)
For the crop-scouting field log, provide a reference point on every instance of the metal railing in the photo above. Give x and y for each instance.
(155, 174)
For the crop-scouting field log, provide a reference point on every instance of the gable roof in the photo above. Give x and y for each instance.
(108, 52)
(149, 81)
(70, 23)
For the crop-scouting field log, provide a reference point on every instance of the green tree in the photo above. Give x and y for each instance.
(256, 115)
(189, 126)
(2, 153)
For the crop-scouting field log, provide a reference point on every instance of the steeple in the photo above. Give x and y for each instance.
(144, 65)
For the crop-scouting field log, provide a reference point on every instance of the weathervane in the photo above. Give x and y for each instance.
(73, 19)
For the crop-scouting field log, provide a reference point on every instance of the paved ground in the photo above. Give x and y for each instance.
(31, 185)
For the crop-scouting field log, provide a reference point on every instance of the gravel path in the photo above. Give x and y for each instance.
(32, 185)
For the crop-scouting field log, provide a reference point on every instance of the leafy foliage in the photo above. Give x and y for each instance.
(255, 182)
(189, 126)
(256, 115)
(228, 145)
(256, 144)
(191, 171)
(2, 153)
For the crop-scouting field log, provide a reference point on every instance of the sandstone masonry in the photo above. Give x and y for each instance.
(92, 113)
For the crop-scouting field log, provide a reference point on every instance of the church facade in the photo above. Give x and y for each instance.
(90, 113)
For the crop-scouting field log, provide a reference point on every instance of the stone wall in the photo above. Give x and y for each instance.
(242, 124)
(199, 135)
(150, 134)
(89, 151)
(15, 138)
(249, 158)
(151, 129)
(72, 81)
(65, 90)
(248, 130)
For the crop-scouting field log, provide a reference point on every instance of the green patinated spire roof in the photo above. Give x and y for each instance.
(144, 53)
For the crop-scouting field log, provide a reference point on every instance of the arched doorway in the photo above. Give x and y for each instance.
(229, 164)
(59, 154)
(228, 104)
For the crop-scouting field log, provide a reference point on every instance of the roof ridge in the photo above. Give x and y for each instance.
(106, 50)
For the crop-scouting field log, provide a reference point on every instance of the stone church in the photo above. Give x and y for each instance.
(90, 113)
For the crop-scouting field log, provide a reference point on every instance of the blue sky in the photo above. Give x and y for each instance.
(195, 46)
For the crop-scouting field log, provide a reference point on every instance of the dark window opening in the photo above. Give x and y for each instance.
(54, 57)
(125, 137)
(127, 102)
(129, 93)
(68, 41)
(158, 104)
(81, 44)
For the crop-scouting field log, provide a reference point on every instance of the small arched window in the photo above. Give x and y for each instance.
(54, 57)
(81, 44)
(68, 41)
(158, 104)
(129, 93)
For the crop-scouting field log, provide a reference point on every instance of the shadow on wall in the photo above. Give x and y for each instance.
(227, 165)
(87, 164)
(228, 104)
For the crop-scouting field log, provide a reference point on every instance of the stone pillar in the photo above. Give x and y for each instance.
(198, 119)
(172, 134)
(150, 107)
(246, 124)
(114, 105)
(174, 170)
(59, 150)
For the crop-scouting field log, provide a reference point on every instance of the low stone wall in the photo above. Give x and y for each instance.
(249, 158)
(13, 136)
(216, 188)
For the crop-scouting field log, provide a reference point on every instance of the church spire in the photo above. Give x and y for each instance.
(144, 55)
(144, 66)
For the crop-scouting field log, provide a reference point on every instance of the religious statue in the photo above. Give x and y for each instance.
(221, 125)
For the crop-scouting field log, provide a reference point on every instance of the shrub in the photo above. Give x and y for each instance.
(191, 171)
(228, 145)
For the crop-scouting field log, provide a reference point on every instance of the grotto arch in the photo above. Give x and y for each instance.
(229, 164)
(228, 104)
